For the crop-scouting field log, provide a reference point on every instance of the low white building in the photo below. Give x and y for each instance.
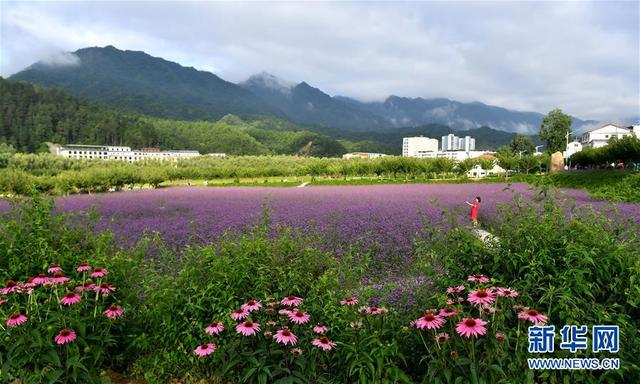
(599, 137)
(478, 171)
(362, 155)
(572, 147)
(109, 152)
(418, 146)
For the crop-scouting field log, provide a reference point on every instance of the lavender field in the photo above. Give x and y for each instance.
(389, 215)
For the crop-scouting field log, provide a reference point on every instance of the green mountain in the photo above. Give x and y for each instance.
(32, 115)
(150, 85)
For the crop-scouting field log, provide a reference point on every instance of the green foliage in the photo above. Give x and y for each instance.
(33, 116)
(554, 129)
(578, 266)
(626, 150)
(521, 144)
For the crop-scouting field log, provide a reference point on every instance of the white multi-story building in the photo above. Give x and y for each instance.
(109, 152)
(418, 146)
(600, 137)
(452, 142)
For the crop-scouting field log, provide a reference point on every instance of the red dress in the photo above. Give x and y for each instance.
(474, 210)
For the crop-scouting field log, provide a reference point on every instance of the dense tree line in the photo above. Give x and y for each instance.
(22, 173)
(30, 116)
(625, 150)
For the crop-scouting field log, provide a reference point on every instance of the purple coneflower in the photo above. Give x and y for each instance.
(251, 305)
(349, 301)
(214, 328)
(471, 327)
(429, 321)
(54, 268)
(113, 311)
(16, 319)
(533, 316)
(291, 301)
(65, 336)
(323, 343)
(70, 298)
(104, 288)
(83, 267)
(481, 296)
(299, 317)
(284, 336)
(239, 314)
(478, 278)
(205, 350)
(319, 329)
(99, 272)
(248, 328)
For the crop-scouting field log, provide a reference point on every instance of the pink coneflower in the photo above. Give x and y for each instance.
(9, 287)
(99, 272)
(349, 301)
(471, 327)
(113, 311)
(479, 278)
(458, 289)
(375, 310)
(239, 314)
(41, 279)
(501, 336)
(323, 343)
(488, 309)
(291, 301)
(70, 298)
(248, 328)
(104, 288)
(214, 328)
(251, 305)
(533, 316)
(284, 312)
(54, 268)
(16, 319)
(507, 292)
(481, 296)
(86, 286)
(205, 350)
(3, 301)
(442, 337)
(447, 311)
(29, 283)
(299, 317)
(296, 351)
(284, 336)
(58, 278)
(429, 321)
(65, 336)
(83, 267)
(319, 329)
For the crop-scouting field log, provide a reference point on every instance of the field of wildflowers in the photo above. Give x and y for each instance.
(384, 284)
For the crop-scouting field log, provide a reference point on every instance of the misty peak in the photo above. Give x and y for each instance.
(268, 81)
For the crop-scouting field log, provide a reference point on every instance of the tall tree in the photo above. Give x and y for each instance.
(521, 143)
(555, 127)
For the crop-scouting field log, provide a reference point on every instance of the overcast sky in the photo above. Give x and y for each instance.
(580, 56)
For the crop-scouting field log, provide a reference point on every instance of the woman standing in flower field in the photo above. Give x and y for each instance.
(474, 210)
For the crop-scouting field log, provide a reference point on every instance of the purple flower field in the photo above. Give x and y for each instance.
(390, 214)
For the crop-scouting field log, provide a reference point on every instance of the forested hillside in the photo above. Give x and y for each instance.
(31, 115)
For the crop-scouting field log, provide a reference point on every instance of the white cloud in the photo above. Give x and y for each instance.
(579, 56)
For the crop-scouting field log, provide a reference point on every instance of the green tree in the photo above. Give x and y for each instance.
(521, 143)
(556, 125)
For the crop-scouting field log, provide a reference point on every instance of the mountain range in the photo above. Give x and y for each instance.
(153, 86)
